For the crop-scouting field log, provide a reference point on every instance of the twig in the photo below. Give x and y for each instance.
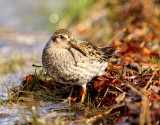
(144, 71)
(38, 66)
(144, 117)
(145, 88)
(133, 89)
(93, 119)
(104, 96)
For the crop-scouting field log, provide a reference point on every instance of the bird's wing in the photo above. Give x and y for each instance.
(86, 48)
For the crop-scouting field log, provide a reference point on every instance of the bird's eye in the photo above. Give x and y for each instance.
(62, 37)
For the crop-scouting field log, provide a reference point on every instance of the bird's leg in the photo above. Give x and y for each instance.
(69, 49)
(84, 93)
(69, 98)
(70, 95)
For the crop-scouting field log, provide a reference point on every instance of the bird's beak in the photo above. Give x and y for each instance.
(77, 48)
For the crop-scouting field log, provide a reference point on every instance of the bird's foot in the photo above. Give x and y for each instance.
(69, 100)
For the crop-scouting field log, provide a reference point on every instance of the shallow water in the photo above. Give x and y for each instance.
(23, 33)
(14, 112)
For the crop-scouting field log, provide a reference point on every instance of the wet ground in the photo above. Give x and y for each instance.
(23, 34)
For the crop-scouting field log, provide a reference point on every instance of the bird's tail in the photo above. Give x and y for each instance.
(108, 51)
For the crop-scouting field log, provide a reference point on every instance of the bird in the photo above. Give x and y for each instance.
(75, 62)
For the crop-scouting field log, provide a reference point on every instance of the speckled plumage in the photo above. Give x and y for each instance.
(71, 61)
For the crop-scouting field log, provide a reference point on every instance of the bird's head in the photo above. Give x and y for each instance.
(61, 38)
